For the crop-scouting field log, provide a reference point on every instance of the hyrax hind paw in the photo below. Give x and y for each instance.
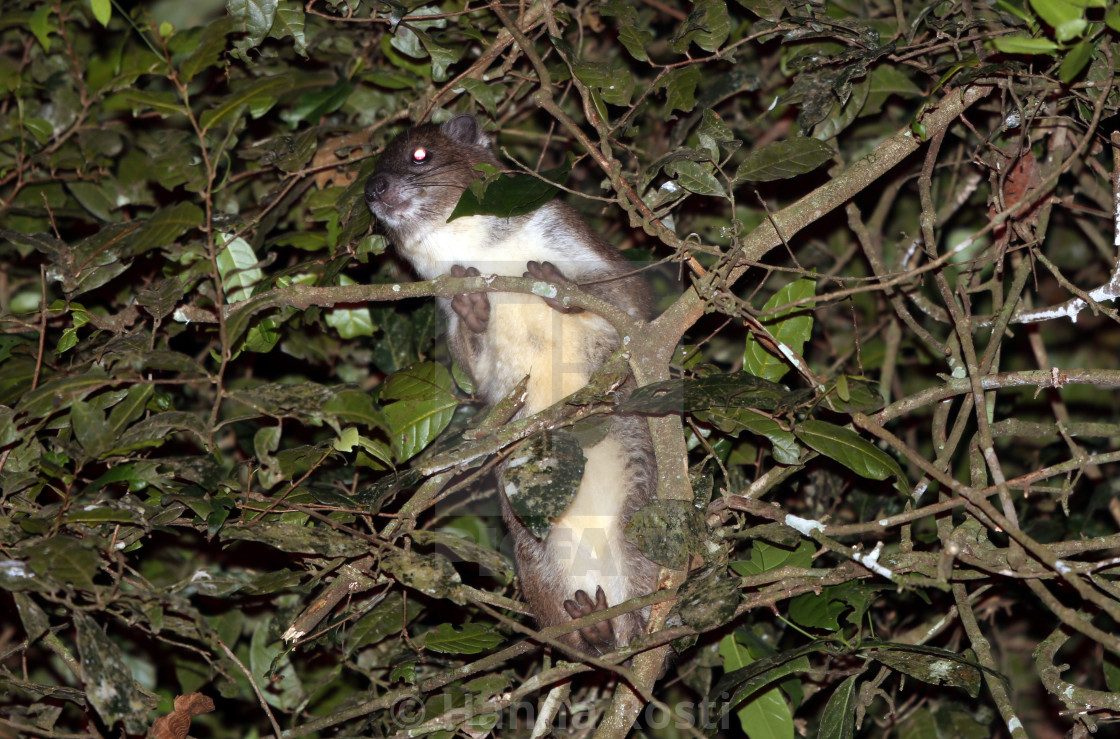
(549, 272)
(599, 635)
(472, 308)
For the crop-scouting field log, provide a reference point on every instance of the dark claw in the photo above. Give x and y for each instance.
(472, 308)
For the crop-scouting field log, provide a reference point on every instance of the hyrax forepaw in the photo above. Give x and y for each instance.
(599, 635)
(549, 272)
(472, 308)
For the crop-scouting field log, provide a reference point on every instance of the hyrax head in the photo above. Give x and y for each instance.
(423, 171)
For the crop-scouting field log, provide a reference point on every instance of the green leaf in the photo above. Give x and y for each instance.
(932, 665)
(1076, 60)
(815, 611)
(743, 682)
(707, 26)
(35, 619)
(159, 298)
(714, 134)
(290, 22)
(854, 107)
(766, 557)
(258, 96)
(849, 449)
(467, 550)
(8, 432)
(67, 341)
(263, 337)
(697, 177)
(709, 600)
(165, 226)
(631, 32)
(668, 532)
(354, 406)
(766, 716)
(254, 18)
(312, 106)
(102, 11)
(272, 666)
(771, 10)
(136, 475)
(736, 420)
(431, 574)
(635, 37)
(470, 639)
(425, 404)
(680, 89)
(402, 61)
(442, 57)
(483, 94)
(384, 620)
(542, 479)
(237, 263)
(1025, 45)
(16, 576)
(509, 197)
(1067, 19)
(394, 349)
(783, 160)
(405, 671)
(886, 80)
(613, 81)
(40, 25)
(208, 53)
(141, 101)
(90, 428)
(110, 687)
(406, 40)
(40, 128)
(156, 431)
(350, 322)
(298, 538)
(93, 198)
(838, 720)
(921, 724)
(792, 327)
(1112, 17)
(65, 561)
(1112, 672)
(854, 394)
(57, 394)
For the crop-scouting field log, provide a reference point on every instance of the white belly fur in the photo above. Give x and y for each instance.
(526, 336)
(587, 540)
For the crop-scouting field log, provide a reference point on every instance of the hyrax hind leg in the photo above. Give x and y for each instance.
(599, 635)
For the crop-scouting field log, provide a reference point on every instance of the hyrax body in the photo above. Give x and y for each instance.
(585, 563)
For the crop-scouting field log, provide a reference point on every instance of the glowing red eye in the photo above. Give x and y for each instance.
(419, 156)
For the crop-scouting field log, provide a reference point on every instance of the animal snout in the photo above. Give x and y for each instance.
(376, 187)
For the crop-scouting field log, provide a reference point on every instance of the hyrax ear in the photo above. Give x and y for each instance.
(464, 129)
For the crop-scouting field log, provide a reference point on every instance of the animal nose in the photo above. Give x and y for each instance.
(375, 187)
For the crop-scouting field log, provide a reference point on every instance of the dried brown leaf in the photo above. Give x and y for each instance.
(176, 724)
